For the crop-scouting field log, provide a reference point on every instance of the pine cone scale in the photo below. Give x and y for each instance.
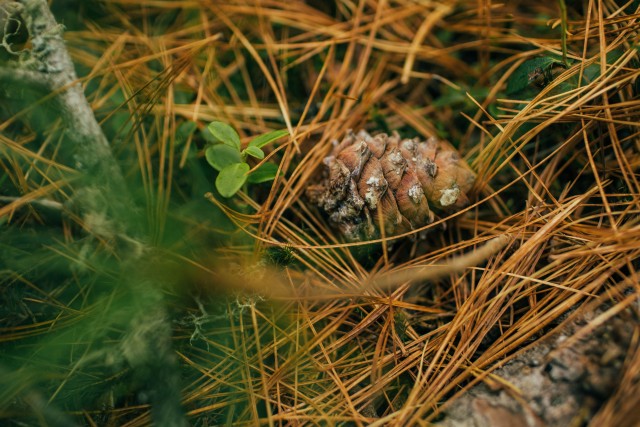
(372, 184)
(384, 180)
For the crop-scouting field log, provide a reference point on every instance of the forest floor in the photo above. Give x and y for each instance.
(156, 268)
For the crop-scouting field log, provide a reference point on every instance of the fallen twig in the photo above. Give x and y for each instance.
(434, 271)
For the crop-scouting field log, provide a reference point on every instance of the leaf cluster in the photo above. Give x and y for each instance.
(228, 158)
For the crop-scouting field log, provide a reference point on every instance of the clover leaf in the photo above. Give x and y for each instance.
(254, 152)
(231, 179)
(264, 173)
(227, 157)
(268, 138)
(225, 134)
(220, 156)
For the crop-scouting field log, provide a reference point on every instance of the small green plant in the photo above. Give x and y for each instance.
(280, 256)
(227, 157)
(534, 73)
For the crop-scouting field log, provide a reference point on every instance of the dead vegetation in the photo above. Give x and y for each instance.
(278, 321)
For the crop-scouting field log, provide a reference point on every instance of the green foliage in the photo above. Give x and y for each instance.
(380, 119)
(280, 256)
(184, 132)
(230, 160)
(220, 156)
(232, 178)
(224, 133)
(537, 73)
(264, 173)
(534, 72)
(267, 138)
(254, 152)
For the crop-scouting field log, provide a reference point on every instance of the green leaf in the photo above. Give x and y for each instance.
(224, 133)
(255, 152)
(231, 179)
(264, 173)
(529, 72)
(267, 138)
(220, 156)
(206, 134)
(185, 130)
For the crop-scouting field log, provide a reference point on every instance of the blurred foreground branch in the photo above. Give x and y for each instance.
(49, 65)
(101, 196)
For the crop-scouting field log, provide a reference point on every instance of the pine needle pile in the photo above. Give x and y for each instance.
(133, 293)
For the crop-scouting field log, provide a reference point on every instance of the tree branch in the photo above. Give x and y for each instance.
(104, 195)
(84, 139)
(22, 76)
(43, 203)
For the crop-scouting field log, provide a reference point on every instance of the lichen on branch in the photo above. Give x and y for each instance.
(104, 202)
(48, 66)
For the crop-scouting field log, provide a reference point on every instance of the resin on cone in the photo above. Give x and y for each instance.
(386, 181)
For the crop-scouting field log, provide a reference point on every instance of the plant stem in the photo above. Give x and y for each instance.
(563, 26)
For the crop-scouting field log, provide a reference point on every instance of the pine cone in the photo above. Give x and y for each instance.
(382, 180)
